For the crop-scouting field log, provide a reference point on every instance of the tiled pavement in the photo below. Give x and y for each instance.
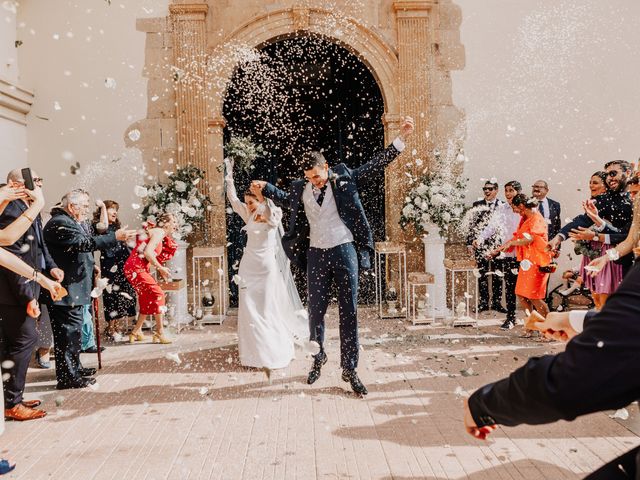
(151, 417)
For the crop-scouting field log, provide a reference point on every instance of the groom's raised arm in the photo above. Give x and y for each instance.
(385, 157)
(279, 197)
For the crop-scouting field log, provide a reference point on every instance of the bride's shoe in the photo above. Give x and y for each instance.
(136, 337)
(160, 338)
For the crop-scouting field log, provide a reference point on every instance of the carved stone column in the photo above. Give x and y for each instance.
(415, 39)
(188, 72)
(215, 140)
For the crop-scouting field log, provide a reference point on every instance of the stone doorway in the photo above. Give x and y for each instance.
(310, 93)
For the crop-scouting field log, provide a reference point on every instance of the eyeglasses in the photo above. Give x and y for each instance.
(487, 189)
(538, 187)
(38, 180)
(613, 173)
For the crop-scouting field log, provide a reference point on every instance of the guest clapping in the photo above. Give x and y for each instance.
(72, 248)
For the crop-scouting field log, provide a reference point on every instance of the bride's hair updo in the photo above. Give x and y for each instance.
(249, 193)
(522, 199)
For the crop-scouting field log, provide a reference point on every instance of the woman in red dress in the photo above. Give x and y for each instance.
(154, 248)
(530, 245)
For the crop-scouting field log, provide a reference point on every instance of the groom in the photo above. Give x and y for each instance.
(330, 236)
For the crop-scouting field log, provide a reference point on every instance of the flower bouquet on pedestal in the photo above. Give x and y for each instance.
(179, 196)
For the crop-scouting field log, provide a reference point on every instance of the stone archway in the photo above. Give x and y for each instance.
(410, 46)
(376, 54)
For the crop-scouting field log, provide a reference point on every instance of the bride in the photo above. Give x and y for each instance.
(270, 314)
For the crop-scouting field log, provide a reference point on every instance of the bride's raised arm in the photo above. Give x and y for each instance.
(236, 204)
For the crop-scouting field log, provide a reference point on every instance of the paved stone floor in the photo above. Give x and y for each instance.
(189, 411)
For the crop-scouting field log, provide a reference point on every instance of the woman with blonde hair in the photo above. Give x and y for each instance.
(153, 249)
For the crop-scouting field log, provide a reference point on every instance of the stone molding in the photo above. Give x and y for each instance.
(15, 102)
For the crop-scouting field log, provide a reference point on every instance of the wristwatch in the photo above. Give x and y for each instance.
(596, 238)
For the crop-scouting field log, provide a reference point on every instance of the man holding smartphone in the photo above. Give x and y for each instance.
(19, 296)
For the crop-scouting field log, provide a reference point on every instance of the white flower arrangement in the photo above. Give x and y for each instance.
(436, 198)
(180, 197)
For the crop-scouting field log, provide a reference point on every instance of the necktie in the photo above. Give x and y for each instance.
(541, 208)
(321, 195)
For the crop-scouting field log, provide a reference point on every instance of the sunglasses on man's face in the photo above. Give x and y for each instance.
(487, 189)
(613, 173)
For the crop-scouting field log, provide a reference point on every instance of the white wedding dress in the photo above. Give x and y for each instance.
(270, 320)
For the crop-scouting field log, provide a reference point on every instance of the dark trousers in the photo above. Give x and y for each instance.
(509, 266)
(485, 266)
(66, 323)
(339, 265)
(18, 338)
(623, 467)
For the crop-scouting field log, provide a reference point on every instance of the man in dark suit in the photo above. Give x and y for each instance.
(599, 370)
(614, 206)
(483, 212)
(72, 248)
(548, 208)
(329, 235)
(17, 294)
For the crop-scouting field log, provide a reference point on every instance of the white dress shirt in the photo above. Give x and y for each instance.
(327, 230)
(504, 221)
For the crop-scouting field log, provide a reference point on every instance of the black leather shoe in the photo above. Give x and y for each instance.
(483, 308)
(82, 383)
(356, 385)
(93, 350)
(499, 309)
(87, 372)
(318, 361)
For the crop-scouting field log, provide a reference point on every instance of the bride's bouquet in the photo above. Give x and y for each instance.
(243, 152)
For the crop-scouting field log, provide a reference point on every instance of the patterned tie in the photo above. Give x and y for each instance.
(541, 208)
(321, 195)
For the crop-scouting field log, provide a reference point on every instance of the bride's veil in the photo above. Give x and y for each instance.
(298, 324)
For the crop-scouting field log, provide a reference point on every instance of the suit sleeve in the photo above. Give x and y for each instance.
(568, 385)
(379, 161)
(73, 239)
(582, 220)
(48, 260)
(279, 197)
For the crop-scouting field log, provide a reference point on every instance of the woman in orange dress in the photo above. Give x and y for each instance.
(529, 243)
(155, 248)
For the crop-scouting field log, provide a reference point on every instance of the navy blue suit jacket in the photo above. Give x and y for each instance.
(599, 370)
(344, 183)
(555, 221)
(31, 249)
(72, 248)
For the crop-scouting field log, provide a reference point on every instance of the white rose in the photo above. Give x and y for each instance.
(180, 186)
(446, 216)
(195, 202)
(421, 189)
(173, 208)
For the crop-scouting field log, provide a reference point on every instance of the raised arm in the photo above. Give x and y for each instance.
(74, 239)
(279, 197)
(239, 207)
(12, 232)
(381, 159)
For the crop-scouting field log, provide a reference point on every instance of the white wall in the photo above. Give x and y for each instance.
(70, 48)
(13, 136)
(550, 91)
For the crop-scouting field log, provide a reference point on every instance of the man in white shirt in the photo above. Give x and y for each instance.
(501, 227)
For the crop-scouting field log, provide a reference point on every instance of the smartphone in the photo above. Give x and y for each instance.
(28, 178)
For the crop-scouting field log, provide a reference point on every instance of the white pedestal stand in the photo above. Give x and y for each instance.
(434, 263)
(177, 301)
